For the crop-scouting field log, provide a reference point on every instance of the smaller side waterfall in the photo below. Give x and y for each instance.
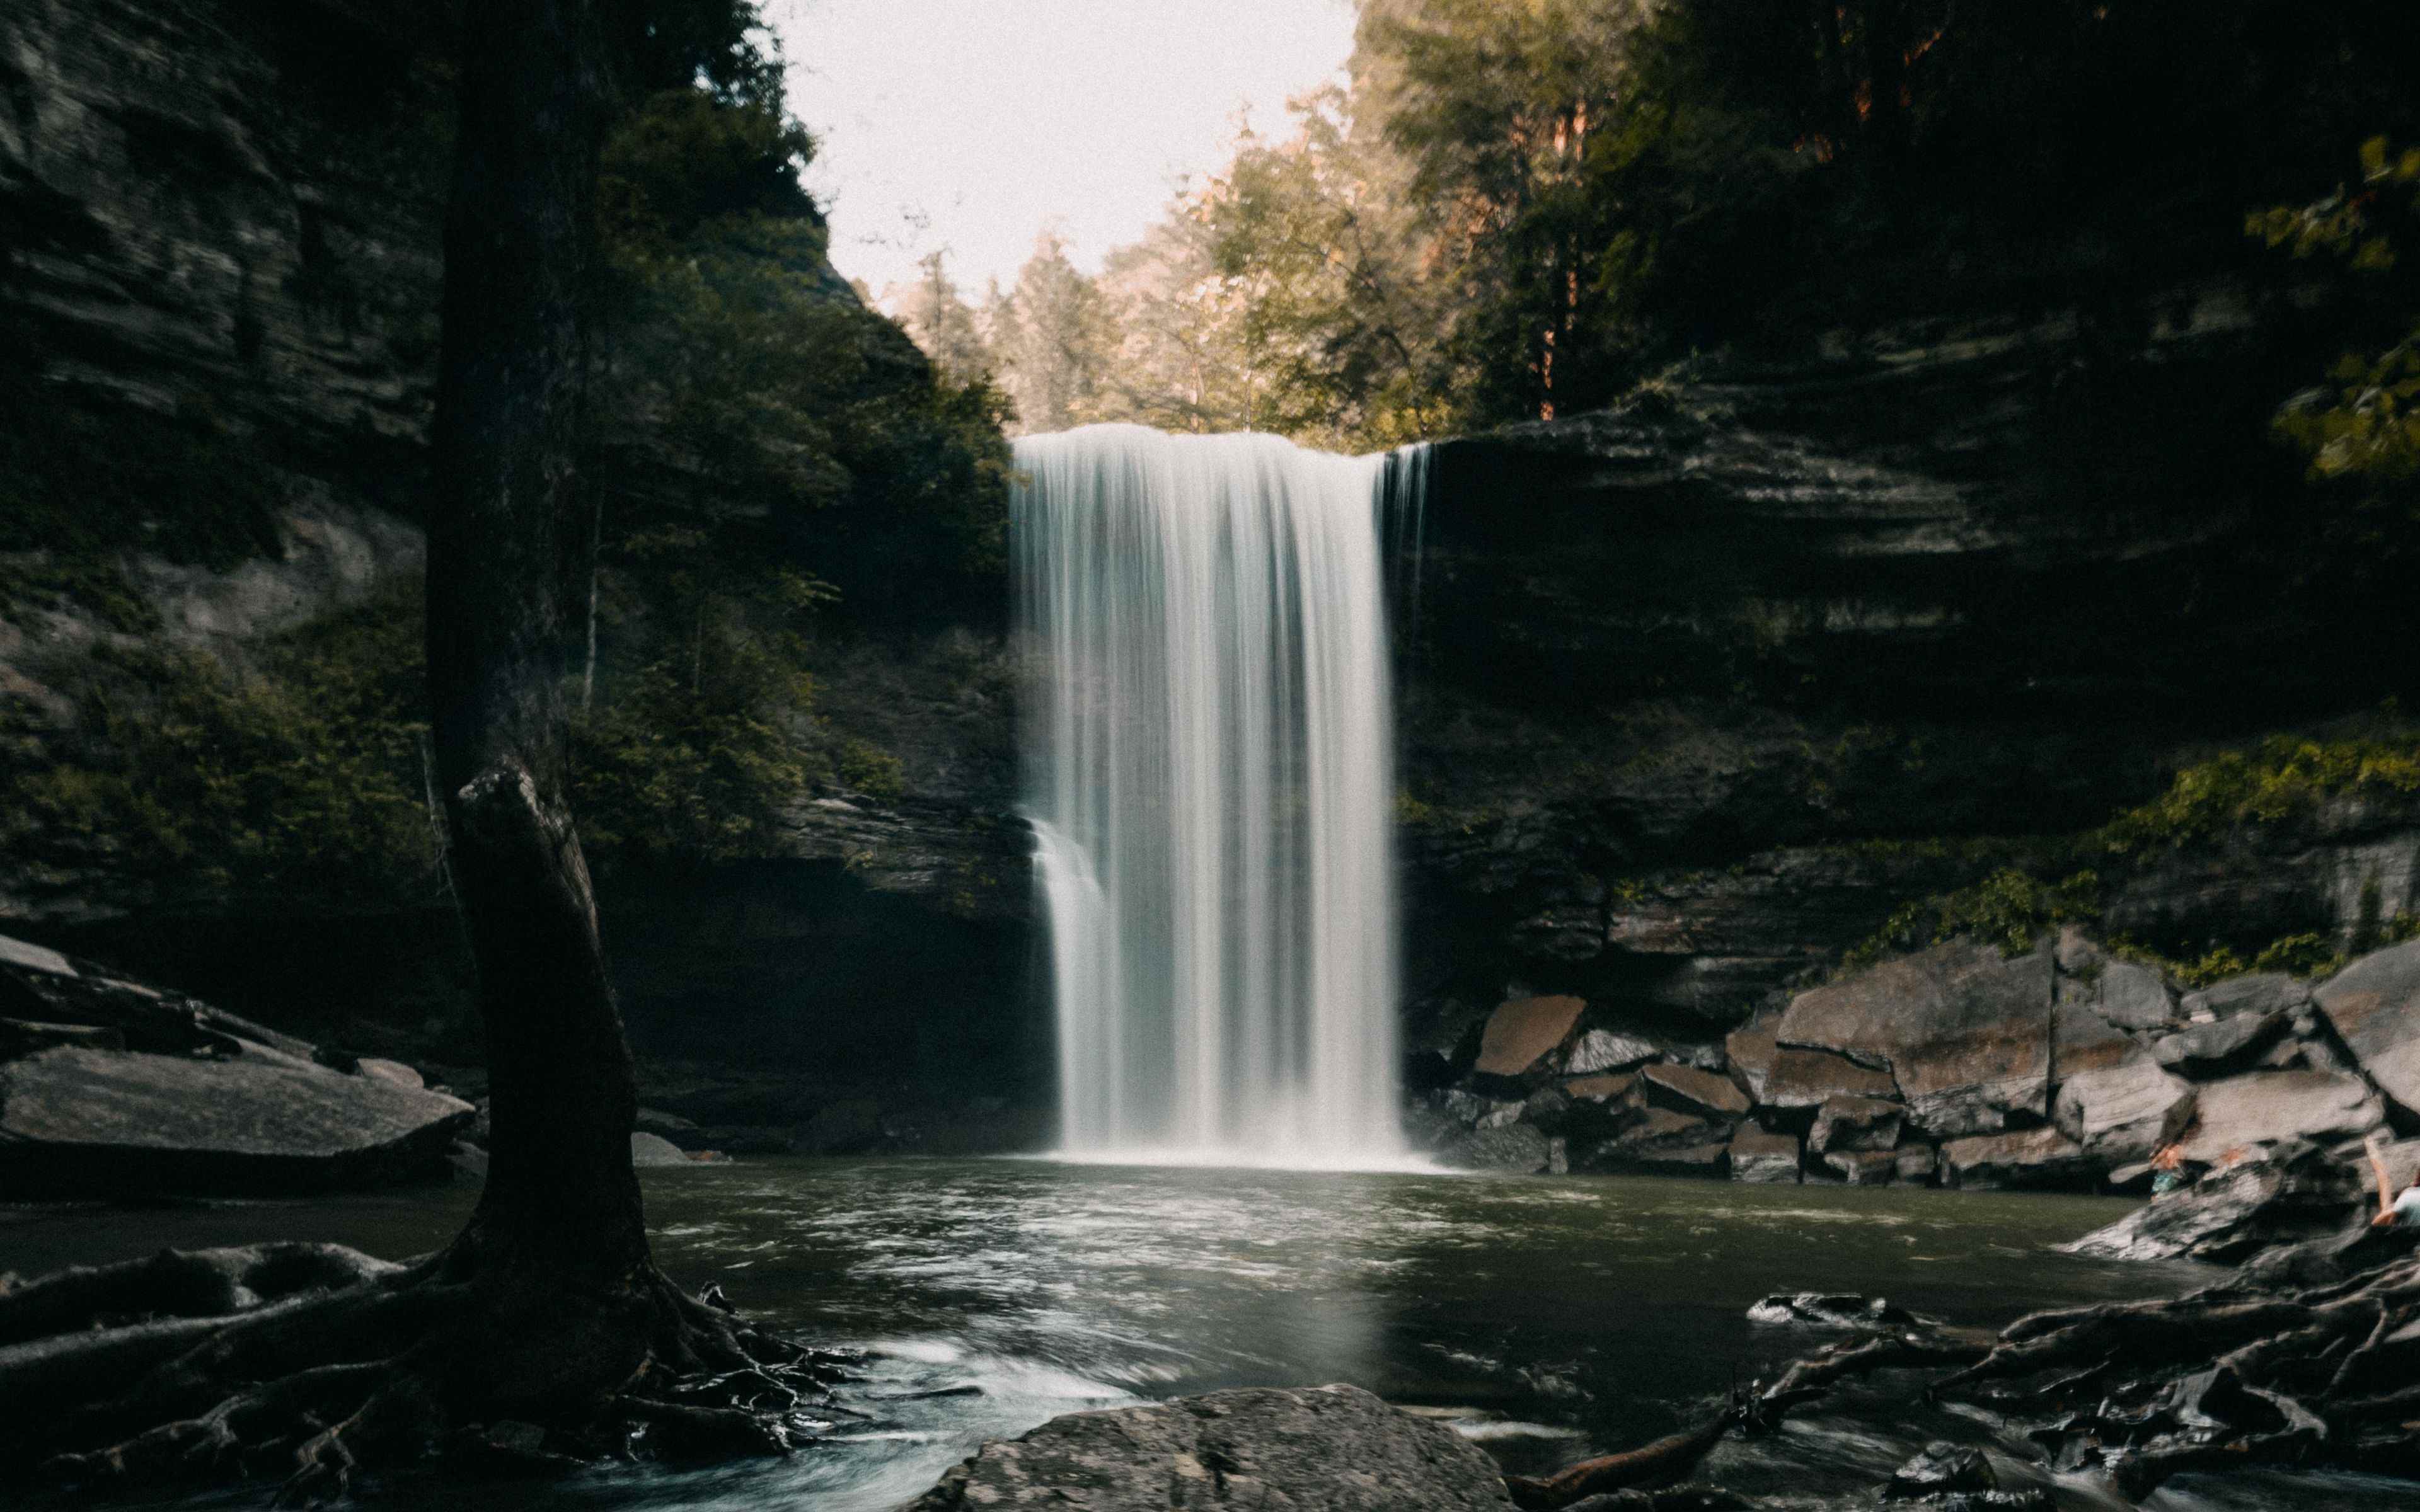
(1211, 776)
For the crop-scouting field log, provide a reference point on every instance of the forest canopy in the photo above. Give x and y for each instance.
(1519, 208)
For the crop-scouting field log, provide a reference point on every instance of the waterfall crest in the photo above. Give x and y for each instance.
(1211, 776)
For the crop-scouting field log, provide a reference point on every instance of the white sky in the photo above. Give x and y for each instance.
(973, 124)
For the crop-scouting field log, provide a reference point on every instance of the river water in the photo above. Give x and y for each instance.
(1549, 1318)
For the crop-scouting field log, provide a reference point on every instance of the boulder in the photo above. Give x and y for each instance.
(1750, 1051)
(1688, 1089)
(1855, 1123)
(1662, 1140)
(2023, 1158)
(87, 1123)
(1963, 1030)
(1524, 1031)
(2222, 1046)
(1811, 1078)
(1917, 1164)
(2285, 1194)
(1758, 1156)
(1318, 1449)
(2374, 1005)
(2125, 1112)
(2133, 996)
(2264, 1106)
(655, 1149)
(2113, 1098)
(1602, 1050)
(1862, 1168)
(2267, 992)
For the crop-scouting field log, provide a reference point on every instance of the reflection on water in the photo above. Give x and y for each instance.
(1552, 1317)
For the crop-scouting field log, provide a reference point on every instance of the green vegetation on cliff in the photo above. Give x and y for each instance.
(2206, 807)
(770, 462)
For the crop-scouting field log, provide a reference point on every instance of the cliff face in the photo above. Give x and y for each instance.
(220, 265)
(1697, 689)
(226, 217)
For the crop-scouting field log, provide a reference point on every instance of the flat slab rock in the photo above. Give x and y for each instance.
(1523, 1031)
(1965, 1031)
(1319, 1449)
(80, 1122)
(2242, 1112)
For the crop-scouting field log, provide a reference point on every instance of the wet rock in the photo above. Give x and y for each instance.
(392, 1072)
(2268, 992)
(1942, 1469)
(1811, 1078)
(2282, 1195)
(2214, 1049)
(84, 1123)
(1525, 1031)
(2027, 1158)
(1601, 1050)
(2262, 1108)
(1516, 1148)
(1323, 1449)
(1757, 1155)
(1965, 1031)
(1855, 1123)
(1862, 1168)
(1688, 1089)
(653, 1149)
(2374, 1005)
(1828, 1309)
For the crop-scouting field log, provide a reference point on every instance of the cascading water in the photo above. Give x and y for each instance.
(1211, 775)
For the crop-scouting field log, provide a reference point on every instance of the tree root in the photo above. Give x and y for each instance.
(313, 1362)
(210, 1283)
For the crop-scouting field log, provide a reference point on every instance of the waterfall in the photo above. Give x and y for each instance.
(1210, 772)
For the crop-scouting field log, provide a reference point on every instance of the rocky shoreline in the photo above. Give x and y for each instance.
(2065, 1067)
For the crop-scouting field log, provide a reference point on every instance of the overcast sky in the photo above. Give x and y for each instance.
(972, 123)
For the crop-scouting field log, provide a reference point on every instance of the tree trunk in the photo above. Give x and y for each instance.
(562, 1203)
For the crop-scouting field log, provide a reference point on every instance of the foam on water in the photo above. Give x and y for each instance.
(1211, 776)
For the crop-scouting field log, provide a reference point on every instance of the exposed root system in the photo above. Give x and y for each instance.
(305, 1362)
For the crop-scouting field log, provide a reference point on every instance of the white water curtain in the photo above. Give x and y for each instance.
(1211, 773)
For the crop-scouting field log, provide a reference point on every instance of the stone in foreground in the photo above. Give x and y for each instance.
(76, 1122)
(1319, 1449)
